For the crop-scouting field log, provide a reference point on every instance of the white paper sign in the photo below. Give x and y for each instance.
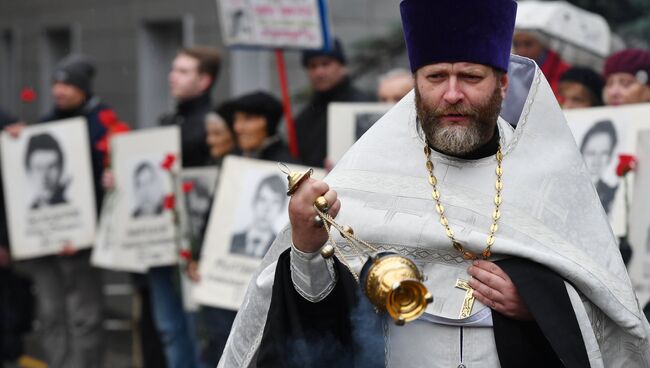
(137, 231)
(639, 267)
(195, 207)
(197, 200)
(601, 135)
(250, 208)
(274, 23)
(347, 122)
(49, 189)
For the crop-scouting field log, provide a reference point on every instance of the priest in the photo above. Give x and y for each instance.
(476, 177)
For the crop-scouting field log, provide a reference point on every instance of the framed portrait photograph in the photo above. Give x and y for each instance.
(49, 189)
(137, 230)
(249, 209)
(639, 236)
(347, 122)
(602, 134)
(199, 185)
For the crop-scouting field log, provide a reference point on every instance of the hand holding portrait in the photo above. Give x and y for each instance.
(15, 129)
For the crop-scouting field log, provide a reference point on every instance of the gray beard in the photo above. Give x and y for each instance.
(459, 140)
(456, 140)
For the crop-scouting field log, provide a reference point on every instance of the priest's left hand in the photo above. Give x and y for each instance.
(495, 289)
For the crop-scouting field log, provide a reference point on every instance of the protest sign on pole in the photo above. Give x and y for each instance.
(278, 25)
(273, 24)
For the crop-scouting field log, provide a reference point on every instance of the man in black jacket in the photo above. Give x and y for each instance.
(16, 300)
(328, 75)
(194, 72)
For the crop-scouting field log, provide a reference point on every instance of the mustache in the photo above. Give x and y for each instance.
(459, 109)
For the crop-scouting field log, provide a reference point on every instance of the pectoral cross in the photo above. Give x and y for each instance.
(468, 302)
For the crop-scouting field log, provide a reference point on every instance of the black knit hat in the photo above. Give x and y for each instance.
(257, 103)
(588, 78)
(335, 51)
(77, 70)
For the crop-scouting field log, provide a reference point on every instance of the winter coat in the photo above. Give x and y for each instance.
(190, 116)
(311, 122)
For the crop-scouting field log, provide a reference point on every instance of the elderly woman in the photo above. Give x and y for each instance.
(255, 118)
(219, 136)
(214, 323)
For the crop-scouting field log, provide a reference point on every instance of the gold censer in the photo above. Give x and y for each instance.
(392, 282)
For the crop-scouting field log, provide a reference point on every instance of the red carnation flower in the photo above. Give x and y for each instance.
(170, 202)
(626, 163)
(188, 186)
(119, 127)
(107, 117)
(27, 94)
(102, 144)
(185, 254)
(168, 162)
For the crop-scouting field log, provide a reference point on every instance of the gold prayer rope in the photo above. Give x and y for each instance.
(435, 194)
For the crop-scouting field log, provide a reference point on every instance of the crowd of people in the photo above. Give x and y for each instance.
(68, 290)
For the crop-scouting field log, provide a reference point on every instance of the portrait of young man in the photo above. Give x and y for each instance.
(147, 190)
(597, 149)
(268, 203)
(44, 163)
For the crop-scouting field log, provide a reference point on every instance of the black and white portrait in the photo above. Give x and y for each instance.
(363, 122)
(240, 24)
(148, 191)
(44, 166)
(267, 205)
(347, 122)
(249, 210)
(49, 188)
(598, 146)
(197, 203)
(137, 226)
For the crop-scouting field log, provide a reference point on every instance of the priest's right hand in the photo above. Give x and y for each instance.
(306, 235)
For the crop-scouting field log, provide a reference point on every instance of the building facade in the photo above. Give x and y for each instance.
(134, 41)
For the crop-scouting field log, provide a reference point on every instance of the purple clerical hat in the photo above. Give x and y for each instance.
(475, 31)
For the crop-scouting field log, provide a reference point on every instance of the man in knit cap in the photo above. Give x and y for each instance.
(68, 288)
(330, 81)
(546, 286)
(627, 77)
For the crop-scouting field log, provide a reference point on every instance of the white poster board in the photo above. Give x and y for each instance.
(347, 122)
(639, 237)
(250, 208)
(49, 189)
(137, 230)
(602, 134)
(299, 24)
(195, 208)
(197, 200)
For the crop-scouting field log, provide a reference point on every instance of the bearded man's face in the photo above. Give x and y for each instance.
(458, 105)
